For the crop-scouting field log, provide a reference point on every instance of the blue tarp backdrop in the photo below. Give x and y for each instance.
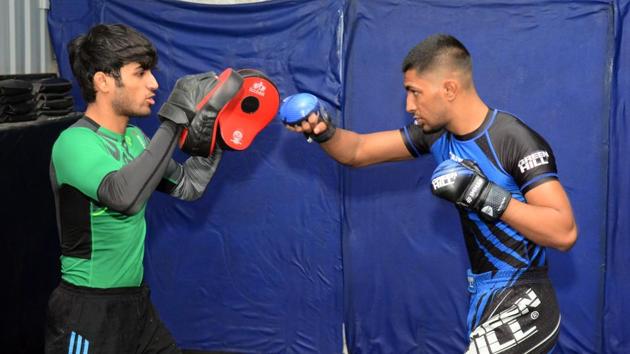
(286, 245)
(524, 61)
(255, 265)
(617, 305)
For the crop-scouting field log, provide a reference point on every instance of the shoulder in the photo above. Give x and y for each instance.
(74, 136)
(79, 139)
(509, 131)
(509, 125)
(81, 129)
(523, 153)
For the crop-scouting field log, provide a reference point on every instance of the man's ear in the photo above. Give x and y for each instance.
(101, 82)
(451, 89)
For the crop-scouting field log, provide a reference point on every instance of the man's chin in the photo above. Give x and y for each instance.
(143, 114)
(430, 130)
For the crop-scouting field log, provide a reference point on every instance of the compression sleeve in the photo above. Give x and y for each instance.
(189, 181)
(127, 189)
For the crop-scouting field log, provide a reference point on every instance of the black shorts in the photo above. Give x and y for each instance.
(520, 318)
(84, 320)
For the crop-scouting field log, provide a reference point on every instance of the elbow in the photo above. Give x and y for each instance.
(188, 192)
(354, 164)
(124, 207)
(568, 239)
(115, 196)
(132, 210)
(349, 162)
(194, 197)
(355, 161)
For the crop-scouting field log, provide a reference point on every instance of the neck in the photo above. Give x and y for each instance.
(468, 115)
(104, 115)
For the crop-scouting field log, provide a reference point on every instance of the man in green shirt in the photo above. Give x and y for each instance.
(103, 171)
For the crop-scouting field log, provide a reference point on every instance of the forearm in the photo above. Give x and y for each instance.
(127, 189)
(545, 226)
(343, 147)
(359, 150)
(196, 174)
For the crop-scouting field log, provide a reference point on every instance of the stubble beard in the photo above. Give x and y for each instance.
(123, 106)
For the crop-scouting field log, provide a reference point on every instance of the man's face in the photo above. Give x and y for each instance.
(425, 100)
(134, 95)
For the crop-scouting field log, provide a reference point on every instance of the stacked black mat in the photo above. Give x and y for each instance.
(16, 101)
(30, 99)
(53, 97)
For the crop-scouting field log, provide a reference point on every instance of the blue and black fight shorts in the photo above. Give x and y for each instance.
(510, 316)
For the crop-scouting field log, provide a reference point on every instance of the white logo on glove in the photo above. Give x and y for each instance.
(237, 137)
(475, 189)
(258, 88)
(443, 181)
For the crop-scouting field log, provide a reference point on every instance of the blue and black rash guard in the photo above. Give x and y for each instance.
(514, 157)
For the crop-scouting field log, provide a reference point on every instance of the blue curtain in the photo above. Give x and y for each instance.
(255, 265)
(286, 245)
(617, 306)
(529, 58)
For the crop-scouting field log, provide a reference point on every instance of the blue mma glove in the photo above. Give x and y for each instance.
(467, 186)
(296, 108)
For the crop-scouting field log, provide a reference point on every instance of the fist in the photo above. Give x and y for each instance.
(304, 113)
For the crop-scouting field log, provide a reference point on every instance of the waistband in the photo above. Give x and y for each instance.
(84, 290)
(505, 278)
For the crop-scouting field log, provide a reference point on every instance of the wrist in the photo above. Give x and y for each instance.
(170, 112)
(326, 135)
(493, 202)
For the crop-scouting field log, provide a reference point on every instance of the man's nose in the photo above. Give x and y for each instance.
(410, 106)
(152, 84)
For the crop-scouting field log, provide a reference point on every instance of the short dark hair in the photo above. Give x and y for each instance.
(435, 50)
(107, 48)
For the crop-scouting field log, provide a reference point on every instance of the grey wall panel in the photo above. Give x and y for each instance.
(24, 40)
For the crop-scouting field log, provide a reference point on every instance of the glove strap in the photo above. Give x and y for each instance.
(327, 134)
(493, 202)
